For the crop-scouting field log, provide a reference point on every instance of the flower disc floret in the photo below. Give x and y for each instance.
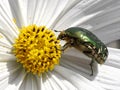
(37, 49)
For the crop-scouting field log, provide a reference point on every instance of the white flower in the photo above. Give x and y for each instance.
(101, 17)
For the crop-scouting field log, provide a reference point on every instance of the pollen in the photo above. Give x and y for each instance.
(37, 49)
(14, 20)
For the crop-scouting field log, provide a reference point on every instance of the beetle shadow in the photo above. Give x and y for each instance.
(79, 63)
(73, 60)
(82, 68)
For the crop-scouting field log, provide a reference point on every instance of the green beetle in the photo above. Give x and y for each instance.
(86, 42)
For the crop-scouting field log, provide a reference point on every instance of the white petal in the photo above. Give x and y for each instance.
(107, 26)
(77, 80)
(60, 83)
(4, 44)
(17, 12)
(44, 12)
(102, 17)
(85, 8)
(77, 11)
(46, 83)
(114, 58)
(6, 18)
(108, 77)
(70, 4)
(79, 63)
(4, 57)
(109, 73)
(8, 72)
(39, 83)
(50, 81)
(10, 36)
(16, 83)
(29, 83)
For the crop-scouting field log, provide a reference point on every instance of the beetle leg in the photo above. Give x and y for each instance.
(57, 48)
(66, 46)
(91, 66)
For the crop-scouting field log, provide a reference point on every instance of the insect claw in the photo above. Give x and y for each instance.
(91, 74)
(62, 49)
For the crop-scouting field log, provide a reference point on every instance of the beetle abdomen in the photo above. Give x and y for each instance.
(95, 50)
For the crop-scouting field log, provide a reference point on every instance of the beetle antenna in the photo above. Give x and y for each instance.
(57, 31)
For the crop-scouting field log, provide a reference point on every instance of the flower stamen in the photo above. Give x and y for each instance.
(37, 49)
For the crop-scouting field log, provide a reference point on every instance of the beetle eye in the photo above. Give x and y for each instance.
(63, 36)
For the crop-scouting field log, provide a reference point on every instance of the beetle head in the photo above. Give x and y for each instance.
(62, 36)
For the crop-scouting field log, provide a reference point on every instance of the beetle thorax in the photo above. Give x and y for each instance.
(63, 36)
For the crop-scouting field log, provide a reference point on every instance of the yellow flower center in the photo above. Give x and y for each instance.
(37, 49)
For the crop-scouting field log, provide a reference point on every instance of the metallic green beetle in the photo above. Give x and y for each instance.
(86, 42)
